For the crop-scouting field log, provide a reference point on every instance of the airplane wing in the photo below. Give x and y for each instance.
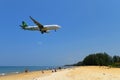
(37, 23)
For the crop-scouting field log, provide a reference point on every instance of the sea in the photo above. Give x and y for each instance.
(6, 70)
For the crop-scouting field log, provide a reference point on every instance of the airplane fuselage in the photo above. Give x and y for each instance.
(44, 29)
(51, 27)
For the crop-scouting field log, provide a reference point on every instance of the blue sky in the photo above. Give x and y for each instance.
(88, 26)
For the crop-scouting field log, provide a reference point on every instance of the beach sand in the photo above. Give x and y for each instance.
(76, 73)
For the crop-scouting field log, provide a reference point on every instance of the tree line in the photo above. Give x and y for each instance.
(100, 59)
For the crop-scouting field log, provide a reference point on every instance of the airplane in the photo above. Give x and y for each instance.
(39, 27)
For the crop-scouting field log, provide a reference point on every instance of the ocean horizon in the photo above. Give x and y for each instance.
(5, 70)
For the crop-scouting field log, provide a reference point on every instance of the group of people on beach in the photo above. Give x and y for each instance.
(53, 70)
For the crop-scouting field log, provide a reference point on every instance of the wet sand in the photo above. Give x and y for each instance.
(76, 73)
(26, 76)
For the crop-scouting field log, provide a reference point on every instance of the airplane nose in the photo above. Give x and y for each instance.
(59, 26)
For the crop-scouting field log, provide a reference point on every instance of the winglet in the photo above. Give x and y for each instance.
(31, 18)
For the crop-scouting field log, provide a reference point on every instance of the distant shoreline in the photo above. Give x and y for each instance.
(11, 70)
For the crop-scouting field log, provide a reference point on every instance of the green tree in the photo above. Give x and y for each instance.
(98, 59)
(116, 59)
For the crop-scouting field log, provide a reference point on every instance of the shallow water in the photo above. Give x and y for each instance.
(4, 70)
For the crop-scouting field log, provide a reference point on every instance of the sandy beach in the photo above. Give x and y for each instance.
(76, 73)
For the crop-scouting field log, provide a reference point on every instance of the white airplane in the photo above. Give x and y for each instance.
(39, 27)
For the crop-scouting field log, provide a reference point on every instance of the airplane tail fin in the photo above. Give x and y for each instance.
(24, 25)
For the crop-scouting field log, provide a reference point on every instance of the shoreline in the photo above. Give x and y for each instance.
(26, 75)
(11, 70)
